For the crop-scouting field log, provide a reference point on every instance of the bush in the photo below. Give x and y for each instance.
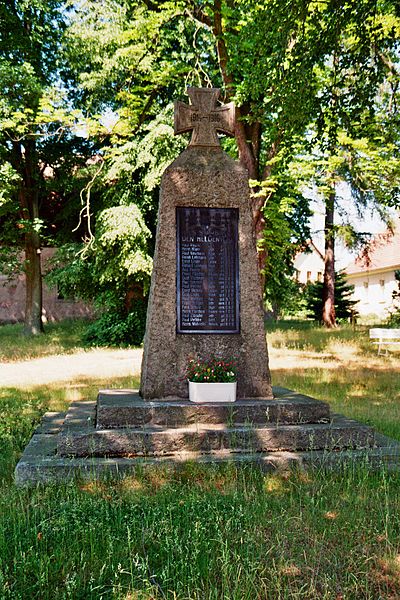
(113, 271)
(114, 329)
(344, 306)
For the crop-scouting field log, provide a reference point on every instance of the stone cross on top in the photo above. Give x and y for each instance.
(203, 117)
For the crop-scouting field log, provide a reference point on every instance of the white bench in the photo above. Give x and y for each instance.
(385, 337)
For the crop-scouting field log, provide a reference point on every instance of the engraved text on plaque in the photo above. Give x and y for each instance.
(207, 270)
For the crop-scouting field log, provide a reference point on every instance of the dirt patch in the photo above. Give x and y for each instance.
(107, 363)
(95, 363)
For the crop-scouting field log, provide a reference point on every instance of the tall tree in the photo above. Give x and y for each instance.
(289, 65)
(30, 33)
(267, 54)
(353, 123)
(285, 64)
(262, 55)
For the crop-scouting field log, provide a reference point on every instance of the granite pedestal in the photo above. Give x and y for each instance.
(120, 433)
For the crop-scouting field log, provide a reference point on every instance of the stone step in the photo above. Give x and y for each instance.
(157, 440)
(125, 408)
(41, 464)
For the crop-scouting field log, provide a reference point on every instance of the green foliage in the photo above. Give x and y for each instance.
(107, 268)
(9, 180)
(113, 271)
(272, 53)
(34, 115)
(10, 262)
(146, 156)
(369, 165)
(287, 299)
(88, 88)
(120, 248)
(73, 276)
(131, 56)
(133, 169)
(344, 306)
(30, 36)
(116, 329)
(286, 214)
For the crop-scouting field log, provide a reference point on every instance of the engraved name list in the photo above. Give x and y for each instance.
(207, 270)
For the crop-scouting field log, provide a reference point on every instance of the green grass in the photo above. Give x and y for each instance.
(204, 534)
(306, 335)
(210, 533)
(59, 338)
(21, 411)
(342, 367)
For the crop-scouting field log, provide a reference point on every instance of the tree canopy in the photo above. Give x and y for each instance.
(86, 123)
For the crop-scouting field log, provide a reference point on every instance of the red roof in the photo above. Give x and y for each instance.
(381, 253)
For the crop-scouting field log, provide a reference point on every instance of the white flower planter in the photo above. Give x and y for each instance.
(212, 392)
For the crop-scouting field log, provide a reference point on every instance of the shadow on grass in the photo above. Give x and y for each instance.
(306, 335)
(204, 533)
(370, 395)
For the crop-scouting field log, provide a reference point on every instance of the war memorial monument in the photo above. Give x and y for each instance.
(205, 299)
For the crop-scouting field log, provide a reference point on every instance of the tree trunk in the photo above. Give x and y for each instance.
(33, 277)
(29, 211)
(328, 291)
(248, 134)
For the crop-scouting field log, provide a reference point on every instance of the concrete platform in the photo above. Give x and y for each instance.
(66, 445)
(40, 463)
(158, 441)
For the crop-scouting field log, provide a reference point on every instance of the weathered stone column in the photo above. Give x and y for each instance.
(203, 176)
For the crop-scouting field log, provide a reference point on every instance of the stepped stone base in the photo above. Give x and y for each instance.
(153, 441)
(124, 408)
(120, 433)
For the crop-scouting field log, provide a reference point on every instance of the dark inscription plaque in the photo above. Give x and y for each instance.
(207, 270)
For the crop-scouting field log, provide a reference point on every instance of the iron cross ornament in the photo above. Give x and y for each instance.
(203, 117)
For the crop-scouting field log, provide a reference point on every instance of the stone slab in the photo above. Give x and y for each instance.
(39, 463)
(41, 445)
(158, 440)
(51, 422)
(81, 414)
(125, 408)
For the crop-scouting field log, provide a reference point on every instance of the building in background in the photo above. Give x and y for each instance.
(55, 307)
(309, 264)
(373, 274)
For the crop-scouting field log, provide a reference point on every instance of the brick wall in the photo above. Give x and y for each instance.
(12, 300)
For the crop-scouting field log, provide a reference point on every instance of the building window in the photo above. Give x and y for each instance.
(308, 276)
(319, 276)
(296, 274)
(60, 296)
(382, 288)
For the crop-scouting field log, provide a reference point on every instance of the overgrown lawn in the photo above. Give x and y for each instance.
(341, 366)
(205, 533)
(58, 338)
(209, 533)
